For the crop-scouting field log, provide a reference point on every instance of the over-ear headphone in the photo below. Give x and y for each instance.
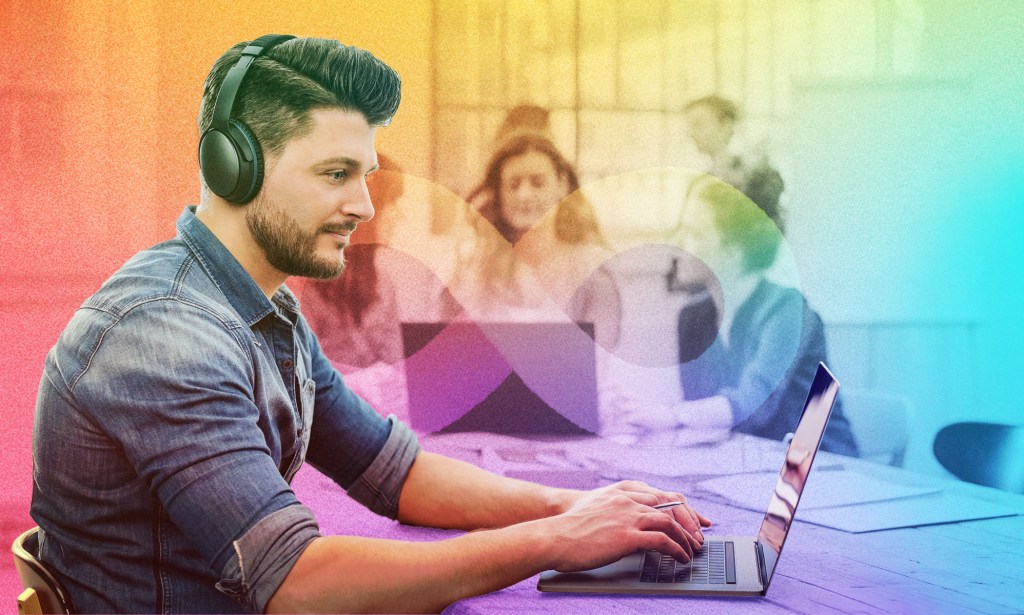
(230, 157)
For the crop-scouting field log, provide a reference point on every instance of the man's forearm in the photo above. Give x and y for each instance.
(344, 574)
(546, 529)
(447, 493)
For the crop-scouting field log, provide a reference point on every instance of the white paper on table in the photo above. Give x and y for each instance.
(720, 457)
(931, 509)
(825, 489)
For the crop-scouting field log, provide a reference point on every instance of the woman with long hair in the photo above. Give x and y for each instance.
(537, 255)
(537, 249)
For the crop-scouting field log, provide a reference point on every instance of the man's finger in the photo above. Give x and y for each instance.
(668, 525)
(662, 541)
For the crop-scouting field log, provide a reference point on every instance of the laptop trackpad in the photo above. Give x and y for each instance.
(625, 571)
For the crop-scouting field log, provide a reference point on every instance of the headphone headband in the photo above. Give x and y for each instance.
(230, 156)
(233, 81)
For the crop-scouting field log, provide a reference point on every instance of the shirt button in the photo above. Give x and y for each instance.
(287, 364)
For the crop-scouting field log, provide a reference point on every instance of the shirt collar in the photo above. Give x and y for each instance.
(241, 291)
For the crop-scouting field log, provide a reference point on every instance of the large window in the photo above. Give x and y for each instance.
(616, 74)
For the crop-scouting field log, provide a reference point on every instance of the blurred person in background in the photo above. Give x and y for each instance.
(747, 355)
(525, 119)
(711, 121)
(538, 254)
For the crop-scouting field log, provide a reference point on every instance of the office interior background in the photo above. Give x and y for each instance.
(896, 125)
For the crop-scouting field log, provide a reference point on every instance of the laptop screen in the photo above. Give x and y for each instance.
(797, 466)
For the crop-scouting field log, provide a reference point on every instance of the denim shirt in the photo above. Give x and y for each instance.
(172, 413)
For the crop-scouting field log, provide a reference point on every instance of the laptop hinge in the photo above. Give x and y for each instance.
(761, 572)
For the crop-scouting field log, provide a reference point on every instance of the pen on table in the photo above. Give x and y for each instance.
(668, 505)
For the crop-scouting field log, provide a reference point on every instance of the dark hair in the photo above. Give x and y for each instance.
(757, 232)
(300, 75)
(723, 108)
(523, 119)
(763, 185)
(575, 221)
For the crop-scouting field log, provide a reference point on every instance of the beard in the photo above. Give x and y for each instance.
(288, 247)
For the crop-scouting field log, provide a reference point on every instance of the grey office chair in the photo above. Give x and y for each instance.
(43, 592)
(988, 454)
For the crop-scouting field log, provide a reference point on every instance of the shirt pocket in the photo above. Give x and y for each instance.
(307, 398)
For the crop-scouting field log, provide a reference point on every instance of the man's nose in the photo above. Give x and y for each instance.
(358, 203)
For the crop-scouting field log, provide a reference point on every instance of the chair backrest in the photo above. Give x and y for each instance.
(988, 454)
(880, 423)
(43, 592)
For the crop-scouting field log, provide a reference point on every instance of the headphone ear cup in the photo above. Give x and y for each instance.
(219, 161)
(232, 162)
(250, 163)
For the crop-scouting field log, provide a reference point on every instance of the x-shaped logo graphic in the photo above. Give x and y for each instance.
(472, 278)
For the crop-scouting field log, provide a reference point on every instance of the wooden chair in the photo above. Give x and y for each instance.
(987, 454)
(43, 592)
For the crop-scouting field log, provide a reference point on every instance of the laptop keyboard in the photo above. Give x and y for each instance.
(713, 565)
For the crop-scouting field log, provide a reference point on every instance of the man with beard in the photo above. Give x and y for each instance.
(184, 395)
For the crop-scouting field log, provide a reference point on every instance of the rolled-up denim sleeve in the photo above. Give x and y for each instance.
(379, 487)
(265, 554)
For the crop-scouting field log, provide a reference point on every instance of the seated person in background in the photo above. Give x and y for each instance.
(545, 258)
(523, 119)
(537, 254)
(747, 354)
(354, 315)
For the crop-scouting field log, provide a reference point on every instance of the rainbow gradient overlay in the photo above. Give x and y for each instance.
(897, 124)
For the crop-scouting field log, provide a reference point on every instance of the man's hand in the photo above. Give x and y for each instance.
(536, 528)
(606, 524)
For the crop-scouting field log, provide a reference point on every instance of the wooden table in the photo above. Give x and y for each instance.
(965, 567)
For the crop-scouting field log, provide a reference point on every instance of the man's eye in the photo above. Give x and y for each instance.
(337, 176)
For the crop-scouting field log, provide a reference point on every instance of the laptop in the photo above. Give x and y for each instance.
(514, 378)
(730, 565)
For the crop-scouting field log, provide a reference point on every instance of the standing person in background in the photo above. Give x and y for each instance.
(523, 119)
(712, 122)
